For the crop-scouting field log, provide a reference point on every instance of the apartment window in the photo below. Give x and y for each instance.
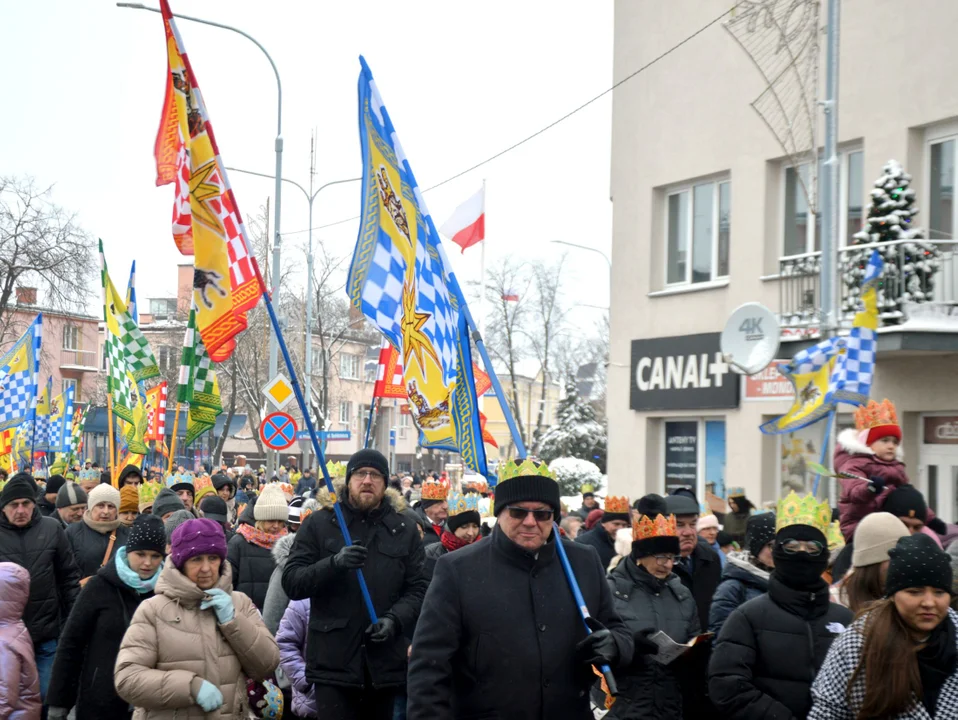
(349, 366)
(317, 360)
(403, 419)
(103, 357)
(165, 357)
(71, 337)
(71, 383)
(345, 411)
(163, 308)
(698, 233)
(800, 234)
(941, 189)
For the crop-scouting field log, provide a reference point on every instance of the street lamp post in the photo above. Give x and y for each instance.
(310, 196)
(278, 191)
(585, 247)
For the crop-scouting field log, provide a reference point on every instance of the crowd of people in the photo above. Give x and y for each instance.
(226, 596)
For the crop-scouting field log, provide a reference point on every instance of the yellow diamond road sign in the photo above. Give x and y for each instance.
(279, 392)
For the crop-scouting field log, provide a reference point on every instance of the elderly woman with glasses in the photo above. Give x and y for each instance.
(651, 598)
(771, 648)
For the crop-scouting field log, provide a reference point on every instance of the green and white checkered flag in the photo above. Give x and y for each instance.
(198, 386)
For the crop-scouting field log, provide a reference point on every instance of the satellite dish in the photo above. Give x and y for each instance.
(749, 341)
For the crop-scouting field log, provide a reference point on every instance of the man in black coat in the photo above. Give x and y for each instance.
(357, 667)
(700, 569)
(433, 509)
(47, 500)
(602, 534)
(40, 545)
(97, 537)
(771, 648)
(500, 634)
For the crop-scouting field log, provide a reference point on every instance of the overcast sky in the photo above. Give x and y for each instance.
(462, 81)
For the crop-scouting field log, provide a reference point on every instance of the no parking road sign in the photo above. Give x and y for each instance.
(278, 431)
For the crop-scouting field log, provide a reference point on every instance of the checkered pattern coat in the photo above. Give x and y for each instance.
(831, 699)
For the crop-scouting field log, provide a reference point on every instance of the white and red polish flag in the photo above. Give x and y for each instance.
(467, 226)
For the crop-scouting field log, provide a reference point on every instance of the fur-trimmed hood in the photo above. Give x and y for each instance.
(848, 439)
(281, 549)
(393, 497)
(743, 561)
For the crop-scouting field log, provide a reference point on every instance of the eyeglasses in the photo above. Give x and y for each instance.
(812, 547)
(520, 513)
(666, 559)
(371, 474)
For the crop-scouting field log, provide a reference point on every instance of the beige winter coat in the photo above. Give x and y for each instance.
(172, 646)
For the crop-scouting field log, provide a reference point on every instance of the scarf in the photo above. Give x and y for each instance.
(253, 535)
(104, 528)
(936, 663)
(451, 542)
(129, 576)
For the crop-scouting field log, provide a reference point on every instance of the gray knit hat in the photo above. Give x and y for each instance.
(175, 520)
(167, 501)
(71, 494)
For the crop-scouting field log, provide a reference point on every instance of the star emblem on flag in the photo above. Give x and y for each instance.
(414, 340)
(204, 187)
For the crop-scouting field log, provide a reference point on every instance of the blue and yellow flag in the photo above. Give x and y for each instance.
(19, 370)
(810, 373)
(41, 433)
(61, 414)
(401, 279)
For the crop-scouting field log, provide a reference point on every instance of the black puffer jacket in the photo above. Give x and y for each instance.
(337, 648)
(598, 538)
(742, 581)
(47, 509)
(89, 546)
(432, 553)
(770, 650)
(43, 549)
(83, 668)
(647, 688)
(430, 534)
(252, 565)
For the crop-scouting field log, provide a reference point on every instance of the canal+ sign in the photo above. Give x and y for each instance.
(681, 373)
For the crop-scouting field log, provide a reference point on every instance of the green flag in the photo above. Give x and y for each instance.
(198, 386)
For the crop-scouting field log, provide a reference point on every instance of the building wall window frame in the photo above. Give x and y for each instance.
(697, 232)
(71, 337)
(349, 365)
(940, 177)
(801, 236)
(345, 411)
(709, 456)
(67, 384)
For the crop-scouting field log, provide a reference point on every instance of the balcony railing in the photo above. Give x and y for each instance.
(800, 281)
(79, 360)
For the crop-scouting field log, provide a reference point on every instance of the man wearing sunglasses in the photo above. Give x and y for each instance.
(500, 634)
(770, 649)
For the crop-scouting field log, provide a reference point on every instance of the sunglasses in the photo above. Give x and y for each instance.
(812, 547)
(518, 513)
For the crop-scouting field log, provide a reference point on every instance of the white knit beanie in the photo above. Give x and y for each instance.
(271, 504)
(876, 534)
(707, 521)
(103, 493)
(623, 541)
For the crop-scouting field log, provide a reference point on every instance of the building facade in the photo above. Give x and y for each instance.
(709, 213)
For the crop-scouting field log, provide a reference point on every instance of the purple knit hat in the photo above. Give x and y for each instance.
(197, 537)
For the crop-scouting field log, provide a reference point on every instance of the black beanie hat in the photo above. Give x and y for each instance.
(21, 486)
(221, 480)
(367, 458)
(759, 532)
(106, 478)
(454, 522)
(917, 561)
(527, 488)
(214, 508)
(147, 533)
(54, 483)
(906, 501)
(651, 506)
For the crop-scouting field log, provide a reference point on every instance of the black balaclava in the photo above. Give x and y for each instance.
(800, 571)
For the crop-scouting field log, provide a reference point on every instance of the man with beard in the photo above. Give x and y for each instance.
(357, 667)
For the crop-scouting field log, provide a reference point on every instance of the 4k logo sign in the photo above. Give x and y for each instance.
(752, 328)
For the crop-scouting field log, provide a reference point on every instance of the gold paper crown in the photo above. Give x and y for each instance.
(288, 490)
(523, 468)
(587, 488)
(793, 510)
(734, 492)
(662, 526)
(148, 492)
(875, 414)
(477, 486)
(336, 469)
(834, 536)
(434, 490)
(459, 503)
(202, 485)
(615, 504)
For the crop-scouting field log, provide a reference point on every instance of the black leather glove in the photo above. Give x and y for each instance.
(876, 484)
(938, 525)
(643, 645)
(383, 630)
(599, 648)
(351, 557)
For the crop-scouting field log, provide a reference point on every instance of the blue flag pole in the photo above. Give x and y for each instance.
(828, 432)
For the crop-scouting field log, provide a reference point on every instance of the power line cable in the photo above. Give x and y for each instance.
(551, 125)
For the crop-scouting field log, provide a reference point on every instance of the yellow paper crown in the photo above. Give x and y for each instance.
(459, 503)
(434, 490)
(587, 488)
(148, 492)
(793, 510)
(875, 415)
(645, 527)
(617, 505)
(336, 469)
(523, 468)
(834, 536)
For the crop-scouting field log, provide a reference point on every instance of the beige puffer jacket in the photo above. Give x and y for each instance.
(172, 646)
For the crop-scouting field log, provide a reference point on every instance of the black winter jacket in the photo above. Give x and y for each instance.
(770, 650)
(89, 546)
(43, 549)
(429, 535)
(498, 630)
(647, 688)
(598, 538)
(83, 668)
(47, 509)
(705, 577)
(432, 553)
(252, 568)
(742, 581)
(337, 647)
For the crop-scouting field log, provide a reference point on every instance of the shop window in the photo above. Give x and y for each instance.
(695, 456)
(698, 233)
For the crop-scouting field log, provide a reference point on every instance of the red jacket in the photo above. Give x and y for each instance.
(856, 500)
(19, 683)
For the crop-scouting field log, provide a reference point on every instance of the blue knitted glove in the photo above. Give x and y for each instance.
(222, 604)
(209, 697)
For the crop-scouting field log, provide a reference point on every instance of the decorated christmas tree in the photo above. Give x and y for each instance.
(910, 265)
